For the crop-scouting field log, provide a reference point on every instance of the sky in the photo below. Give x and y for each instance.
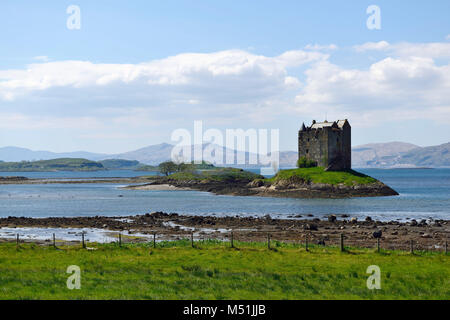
(135, 71)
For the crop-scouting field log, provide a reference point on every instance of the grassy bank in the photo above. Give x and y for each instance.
(174, 270)
(319, 175)
(216, 174)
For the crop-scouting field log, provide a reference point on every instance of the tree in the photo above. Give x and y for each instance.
(185, 167)
(167, 167)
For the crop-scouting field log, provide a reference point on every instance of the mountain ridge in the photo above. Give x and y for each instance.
(372, 155)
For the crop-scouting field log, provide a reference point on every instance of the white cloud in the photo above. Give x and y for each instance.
(390, 89)
(226, 75)
(42, 58)
(381, 45)
(447, 37)
(318, 47)
(11, 120)
(223, 88)
(406, 49)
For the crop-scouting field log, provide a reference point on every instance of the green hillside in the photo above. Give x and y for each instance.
(120, 164)
(62, 164)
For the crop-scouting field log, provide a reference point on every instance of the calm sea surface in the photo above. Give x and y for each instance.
(424, 193)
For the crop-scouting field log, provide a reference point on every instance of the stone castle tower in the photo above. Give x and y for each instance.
(327, 143)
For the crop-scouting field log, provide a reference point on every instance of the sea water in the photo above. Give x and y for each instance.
(424, 194)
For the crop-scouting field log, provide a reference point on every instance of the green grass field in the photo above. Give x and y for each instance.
(174, 270)
(319, 175)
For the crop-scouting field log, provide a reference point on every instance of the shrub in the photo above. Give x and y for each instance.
(304, 162)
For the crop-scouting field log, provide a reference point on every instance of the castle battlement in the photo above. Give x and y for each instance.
(327, 143)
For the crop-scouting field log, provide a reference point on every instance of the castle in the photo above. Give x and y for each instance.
(326, 143)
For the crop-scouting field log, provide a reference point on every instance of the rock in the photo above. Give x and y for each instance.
(354, 220)
(332, 218)
(377, 234)
(256, 183)
(369, 219)
(414, 223)
(311, 226)
(321, 242)
(426, 235)
(423, 223)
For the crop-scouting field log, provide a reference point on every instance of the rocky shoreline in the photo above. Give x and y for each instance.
(426, 234)
(281, 189)
(24, 180)
(290, 188)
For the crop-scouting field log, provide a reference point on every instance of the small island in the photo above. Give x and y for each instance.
(312, 182)
(324, 171)
(60, 164)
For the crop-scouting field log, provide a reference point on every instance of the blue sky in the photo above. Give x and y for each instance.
(138, 70)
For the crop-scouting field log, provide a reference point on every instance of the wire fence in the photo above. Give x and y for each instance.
(272, 239)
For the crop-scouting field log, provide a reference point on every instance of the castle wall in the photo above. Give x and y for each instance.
(314, 145)
(347, 146)
(334, 146)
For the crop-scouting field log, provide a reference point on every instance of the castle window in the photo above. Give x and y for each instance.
(307, 151)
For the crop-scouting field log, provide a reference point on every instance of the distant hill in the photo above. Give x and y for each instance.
(435, 156)
(400, 155)
(374, 155)
(62, 164)
(379, 154)
(151, 155)
(12, 154)
(288, 159)
(120, 164)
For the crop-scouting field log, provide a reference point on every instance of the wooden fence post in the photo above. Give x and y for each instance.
(411, 244)
(154, 240)
(306, 242)
(268, 240)
(54, 241)
(192, 239)
(232, 239)
(120, 239)
(342, 242)
(17, 239)
(82, 240)
(378, 245)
